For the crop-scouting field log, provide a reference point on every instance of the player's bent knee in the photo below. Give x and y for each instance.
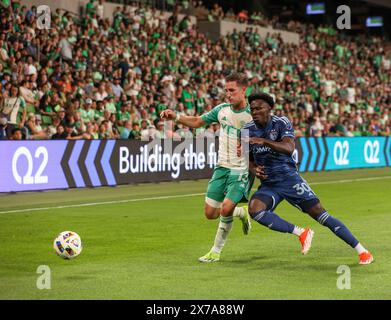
(314, 209)
(212, 209)
(255, 206)
(211, 214)
(227, 208)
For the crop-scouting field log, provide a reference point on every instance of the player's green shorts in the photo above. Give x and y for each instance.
(232, 184)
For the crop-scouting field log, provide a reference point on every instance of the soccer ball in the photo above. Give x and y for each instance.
(68, 245)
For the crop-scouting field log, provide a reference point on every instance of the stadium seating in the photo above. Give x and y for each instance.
(140, 62)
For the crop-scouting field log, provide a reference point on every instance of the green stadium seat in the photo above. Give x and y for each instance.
(30, 108)
(46, 120)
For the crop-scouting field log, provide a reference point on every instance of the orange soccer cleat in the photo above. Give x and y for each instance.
(365, 258)
(306, 240)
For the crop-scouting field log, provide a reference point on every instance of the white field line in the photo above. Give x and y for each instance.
(349, 180)
(168, 197)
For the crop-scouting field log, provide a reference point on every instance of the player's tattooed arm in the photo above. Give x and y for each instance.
(285, 146)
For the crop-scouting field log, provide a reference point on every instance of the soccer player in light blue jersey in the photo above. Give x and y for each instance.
(271, 144)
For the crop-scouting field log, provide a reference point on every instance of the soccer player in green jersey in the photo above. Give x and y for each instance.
(230, 183)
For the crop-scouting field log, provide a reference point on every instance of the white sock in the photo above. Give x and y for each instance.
(298, 231)
(223, 230)
(360, 249)
(239, 212)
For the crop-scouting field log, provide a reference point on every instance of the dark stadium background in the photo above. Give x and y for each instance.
(295, 9)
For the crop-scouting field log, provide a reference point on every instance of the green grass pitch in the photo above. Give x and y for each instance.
(148, 249)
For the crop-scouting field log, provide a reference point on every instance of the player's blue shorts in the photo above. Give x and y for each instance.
(293, 189)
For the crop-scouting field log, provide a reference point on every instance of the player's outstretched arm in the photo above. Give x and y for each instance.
(189, 121)
(285, 146)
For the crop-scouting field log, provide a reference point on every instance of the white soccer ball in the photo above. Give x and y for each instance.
(68, 245)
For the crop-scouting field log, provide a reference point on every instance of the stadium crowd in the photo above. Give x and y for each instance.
(89, 78)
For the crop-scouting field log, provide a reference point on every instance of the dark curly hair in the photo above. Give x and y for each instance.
(257, 95)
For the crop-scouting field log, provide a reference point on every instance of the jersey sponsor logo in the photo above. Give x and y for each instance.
(262, 149)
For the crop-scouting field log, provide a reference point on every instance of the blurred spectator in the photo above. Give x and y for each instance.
(99, 9)
(60, 133)
(13, 109)
(35, 130)
(100, 77)
(16, 134)
(127, 131)
(3, 127)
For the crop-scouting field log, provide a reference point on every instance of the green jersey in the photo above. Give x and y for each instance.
(231, 122)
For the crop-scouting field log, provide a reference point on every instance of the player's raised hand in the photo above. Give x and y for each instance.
(260, 172)
(168, 114)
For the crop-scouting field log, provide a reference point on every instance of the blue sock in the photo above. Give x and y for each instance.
(273, 221)
(338, 228)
